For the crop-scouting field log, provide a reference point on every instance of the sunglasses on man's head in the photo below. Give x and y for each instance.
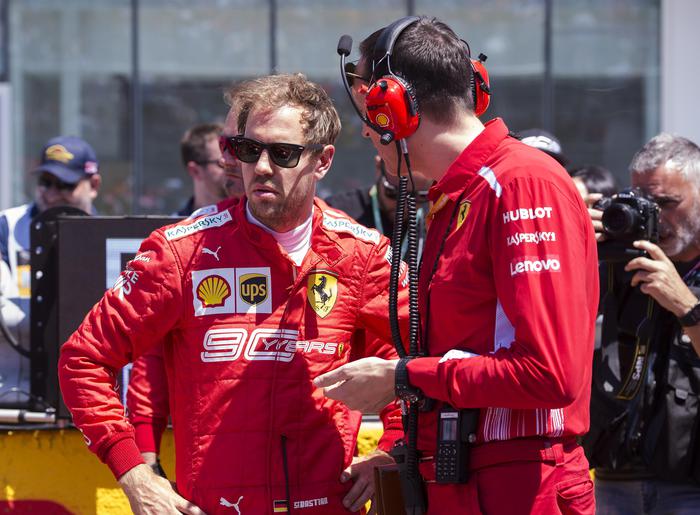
(352, 75)
(49, 181)
(248, 150)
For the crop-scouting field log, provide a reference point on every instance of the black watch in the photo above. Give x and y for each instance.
(692, 317)
(402, 387)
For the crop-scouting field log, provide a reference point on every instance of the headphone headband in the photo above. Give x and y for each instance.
(385, 45)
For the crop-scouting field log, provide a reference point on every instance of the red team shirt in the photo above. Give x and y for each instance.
(511, 312)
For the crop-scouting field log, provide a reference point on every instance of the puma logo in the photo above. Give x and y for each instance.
(214, 253)
(223, 502)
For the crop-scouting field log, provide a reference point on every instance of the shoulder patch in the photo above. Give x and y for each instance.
(206, 210)
(348, 226)
(490, 177)
(200, 224)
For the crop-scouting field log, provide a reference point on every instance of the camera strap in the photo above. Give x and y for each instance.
(627, 384)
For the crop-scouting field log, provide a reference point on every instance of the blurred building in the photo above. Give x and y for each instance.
(131, 75)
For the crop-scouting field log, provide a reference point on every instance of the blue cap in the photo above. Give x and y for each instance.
(69, 158)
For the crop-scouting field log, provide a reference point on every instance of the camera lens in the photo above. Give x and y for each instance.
(621, 220)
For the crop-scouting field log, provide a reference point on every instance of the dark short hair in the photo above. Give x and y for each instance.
(320, 120)
(193, 145)
(432, 58)
(596, 179)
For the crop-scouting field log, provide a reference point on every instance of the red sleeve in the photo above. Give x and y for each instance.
(374, 301)
(136, 314)
(374, 315)
(548, 308)
(147, 399)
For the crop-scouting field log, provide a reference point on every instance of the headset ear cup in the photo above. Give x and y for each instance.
(410, 98)
(393, 108)
(481, 89)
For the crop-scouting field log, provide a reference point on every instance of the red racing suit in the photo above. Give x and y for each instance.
(147, 400)
(509, 312)
(245, 331)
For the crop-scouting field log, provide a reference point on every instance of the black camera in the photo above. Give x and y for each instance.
(627, 217)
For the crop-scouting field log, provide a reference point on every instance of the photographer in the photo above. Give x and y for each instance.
(644, 405)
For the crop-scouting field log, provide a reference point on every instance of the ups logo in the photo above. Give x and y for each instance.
(253, 288)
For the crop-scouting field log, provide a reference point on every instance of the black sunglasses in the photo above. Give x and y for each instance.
(248, 150)
(352, 75)
(48, 182)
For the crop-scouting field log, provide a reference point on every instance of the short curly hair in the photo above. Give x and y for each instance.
(320, 120)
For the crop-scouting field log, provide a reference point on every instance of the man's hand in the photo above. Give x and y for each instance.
(150, 494)
(366, 385)
(596, 215)
(362, 472)
(151, 459)
(658, 278)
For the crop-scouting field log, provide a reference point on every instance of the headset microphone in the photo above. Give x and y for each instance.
(344, 48)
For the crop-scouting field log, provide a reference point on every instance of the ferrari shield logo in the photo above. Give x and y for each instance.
(322, 292)
(462, 213)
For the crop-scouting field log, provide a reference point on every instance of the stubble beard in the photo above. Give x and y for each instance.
(688, 234)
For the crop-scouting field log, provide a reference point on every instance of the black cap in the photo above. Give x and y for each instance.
(546, 142)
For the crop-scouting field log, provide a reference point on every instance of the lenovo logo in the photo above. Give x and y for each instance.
(534, 266)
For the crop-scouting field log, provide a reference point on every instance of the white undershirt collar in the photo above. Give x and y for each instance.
(295, 242)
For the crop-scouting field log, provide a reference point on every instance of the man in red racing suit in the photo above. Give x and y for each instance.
(245, 330)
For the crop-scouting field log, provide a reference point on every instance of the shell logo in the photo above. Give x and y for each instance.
(382, 120)
(58, 153)
(213, 291)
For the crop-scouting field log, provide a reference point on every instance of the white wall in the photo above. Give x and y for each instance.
(680, 68)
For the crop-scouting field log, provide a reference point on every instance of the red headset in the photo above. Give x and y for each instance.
(391, 102)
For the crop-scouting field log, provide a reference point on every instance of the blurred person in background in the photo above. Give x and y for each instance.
(546, 142)
(67, 175)
(594, 180)
(201, 157)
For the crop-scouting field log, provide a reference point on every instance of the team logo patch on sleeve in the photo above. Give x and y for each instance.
(348, 226)
(212, 291)
(322, 292)
(200, 224)
(253, 290)
(462, 213)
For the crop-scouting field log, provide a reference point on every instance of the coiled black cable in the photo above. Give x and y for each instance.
(396, 267)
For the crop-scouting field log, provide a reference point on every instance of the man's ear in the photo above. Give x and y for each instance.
(325, 159)
(193, 170)
(95, 181)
